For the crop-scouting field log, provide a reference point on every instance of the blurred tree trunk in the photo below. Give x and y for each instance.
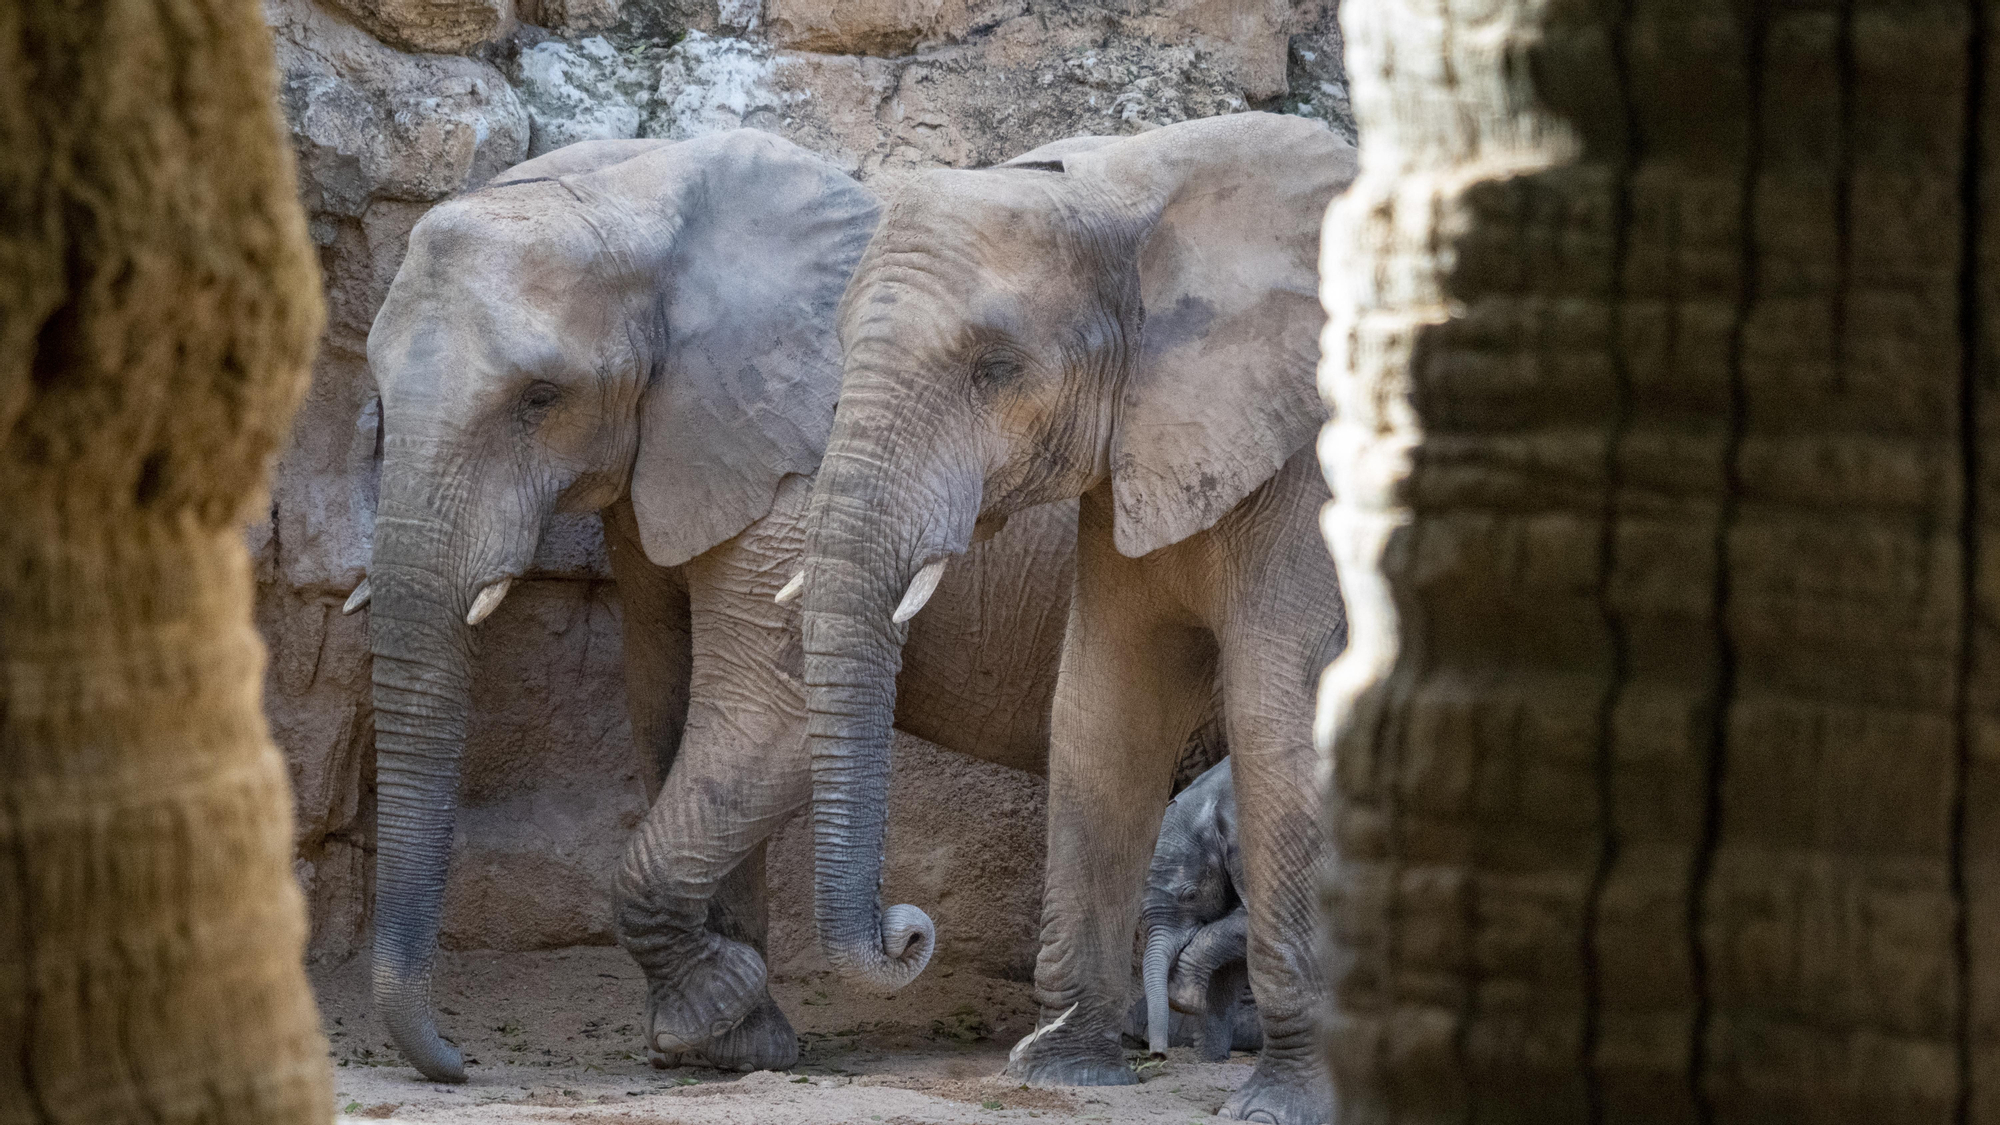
(1666, 762)
(158, 304)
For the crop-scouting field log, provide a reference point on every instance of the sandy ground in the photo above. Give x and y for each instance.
(554, 1036)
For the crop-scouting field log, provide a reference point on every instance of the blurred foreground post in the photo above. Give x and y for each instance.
(158, 305)
(1666, 771)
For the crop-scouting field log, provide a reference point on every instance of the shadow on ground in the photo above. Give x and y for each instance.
(554, 1036)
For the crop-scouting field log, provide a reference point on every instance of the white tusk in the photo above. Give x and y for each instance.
(488, 601)
(358, 598)
(921, 589)
(792, 589)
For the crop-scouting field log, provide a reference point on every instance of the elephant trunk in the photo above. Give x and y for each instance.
(852, 655)
(1164, 942)
(861, 562)
(422, 660)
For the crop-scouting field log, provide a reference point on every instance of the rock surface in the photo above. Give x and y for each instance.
(879, 27)
(432, 25)
(394, 105)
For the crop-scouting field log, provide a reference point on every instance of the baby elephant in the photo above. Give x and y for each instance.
(1197, 929)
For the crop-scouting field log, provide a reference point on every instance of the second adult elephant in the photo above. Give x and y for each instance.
(645, 327)
(1132, 321)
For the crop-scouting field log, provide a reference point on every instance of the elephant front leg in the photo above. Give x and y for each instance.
(687, 870)
(1270, 742)
(659, 666)
(764, 1040)
(1220, 1015)
(690, 902)
(1119, 720)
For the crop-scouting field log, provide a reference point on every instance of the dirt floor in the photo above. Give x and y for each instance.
(554, 1036)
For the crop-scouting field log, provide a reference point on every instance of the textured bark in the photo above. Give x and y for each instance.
(1661, 358)
(158, 303)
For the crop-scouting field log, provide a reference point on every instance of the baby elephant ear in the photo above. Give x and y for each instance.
(745, 380)
(1222, 391)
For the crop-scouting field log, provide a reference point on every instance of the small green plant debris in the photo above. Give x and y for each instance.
(816, 1000)
(802, 1078)
(991, 1105)
(350, 1107)
(965, 1024)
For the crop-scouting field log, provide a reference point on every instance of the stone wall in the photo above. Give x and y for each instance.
(397, 104)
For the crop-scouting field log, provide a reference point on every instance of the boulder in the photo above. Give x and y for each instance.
(569, 15)
(440, 26)
(709, 83)
(587, 90)
(876, 27)
(371, 122)
(1244, 39)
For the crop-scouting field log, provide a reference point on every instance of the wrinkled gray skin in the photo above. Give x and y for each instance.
(1195, 924)
(1133, 322)
(646, 328)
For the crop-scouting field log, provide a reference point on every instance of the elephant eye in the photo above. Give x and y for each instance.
(996, 368)
(536, 399)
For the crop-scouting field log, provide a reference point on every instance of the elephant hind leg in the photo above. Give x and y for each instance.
(1207, 745)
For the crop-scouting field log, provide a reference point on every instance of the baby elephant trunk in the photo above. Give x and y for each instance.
(1163, 944)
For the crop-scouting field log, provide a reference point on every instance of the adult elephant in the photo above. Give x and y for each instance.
(646, 328)
(1130, 321)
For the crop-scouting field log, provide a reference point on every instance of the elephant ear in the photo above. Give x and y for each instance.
(1222, 391)
(765, 236)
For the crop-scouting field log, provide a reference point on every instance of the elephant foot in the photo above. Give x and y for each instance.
(763, 1041)
(706, 999)
(1283, 1094)
(1064, 1054)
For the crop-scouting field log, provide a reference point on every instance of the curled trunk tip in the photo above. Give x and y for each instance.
(907, 938)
